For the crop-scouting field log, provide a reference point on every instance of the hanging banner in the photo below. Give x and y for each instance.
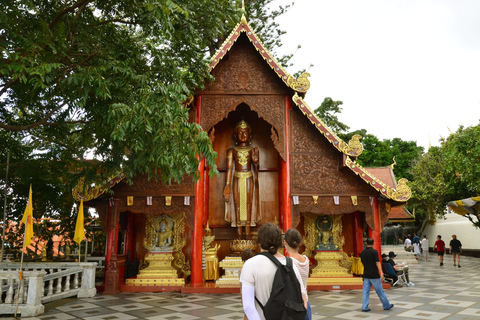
(149, 201)
(130, 201)
(354, 200)
(336, 200)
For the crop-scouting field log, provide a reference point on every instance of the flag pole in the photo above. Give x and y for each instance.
(20, 272)
(5, 206)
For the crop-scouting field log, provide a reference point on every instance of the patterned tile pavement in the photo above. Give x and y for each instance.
(445, 292)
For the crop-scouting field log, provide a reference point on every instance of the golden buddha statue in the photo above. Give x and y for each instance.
(242, 182)
(210, 249)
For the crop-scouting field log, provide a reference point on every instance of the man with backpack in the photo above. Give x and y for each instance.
(268, 272)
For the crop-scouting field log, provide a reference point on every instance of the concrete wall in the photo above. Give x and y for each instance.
(455, 224)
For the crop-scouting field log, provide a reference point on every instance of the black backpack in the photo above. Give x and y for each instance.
(285, 302)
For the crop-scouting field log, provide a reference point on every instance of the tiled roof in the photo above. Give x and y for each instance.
(399, 213)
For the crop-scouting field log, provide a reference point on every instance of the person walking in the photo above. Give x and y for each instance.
(408, 244)
(440, 248)
(258, 272)
(372, 276)
(292, 241)
(455, 250)
(424, 245)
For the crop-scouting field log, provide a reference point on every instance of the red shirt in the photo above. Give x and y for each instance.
(440, 245)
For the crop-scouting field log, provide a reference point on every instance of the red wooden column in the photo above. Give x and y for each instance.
(206, 192)
(284, 187)
(375, 232)
(196, 276)
(111, 265)
(358, 234)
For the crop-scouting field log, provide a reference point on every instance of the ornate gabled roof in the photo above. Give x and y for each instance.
(89, 193)
(300, 85)
(354, 148)
(400, 214)
(401, 192)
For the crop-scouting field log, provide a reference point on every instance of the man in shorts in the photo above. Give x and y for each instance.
(440, 248)
(455, 250)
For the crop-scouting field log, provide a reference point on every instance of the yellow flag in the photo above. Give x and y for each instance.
(79, 229)
(28, 220)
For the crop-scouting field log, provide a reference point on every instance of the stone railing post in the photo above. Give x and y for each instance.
(34, 305)
(87, 289)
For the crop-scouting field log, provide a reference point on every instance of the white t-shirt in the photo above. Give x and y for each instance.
(259, 272)
(416, 248)
(408, 242)
(424, 244)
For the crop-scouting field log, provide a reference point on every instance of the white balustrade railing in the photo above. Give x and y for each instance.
(43, 282)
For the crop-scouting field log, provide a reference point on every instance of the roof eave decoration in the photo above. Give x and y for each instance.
(402, 193)
(87, 193)
(300, 85)
(354, 147)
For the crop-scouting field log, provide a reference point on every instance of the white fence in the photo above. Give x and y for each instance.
(42, 283)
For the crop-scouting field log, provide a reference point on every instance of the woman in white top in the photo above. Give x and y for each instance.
(292, 241)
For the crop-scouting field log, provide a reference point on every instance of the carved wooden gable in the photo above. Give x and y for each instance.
(243, 76)
(316, 163)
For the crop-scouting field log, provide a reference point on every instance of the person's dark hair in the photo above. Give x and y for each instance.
(439, 237)
(369, 241)
(293, 238)
(270, 237)
(247, 254)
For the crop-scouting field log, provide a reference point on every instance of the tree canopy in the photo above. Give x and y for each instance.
(448, 173)
(109, 80)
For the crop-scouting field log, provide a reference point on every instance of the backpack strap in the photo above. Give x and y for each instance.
(287, 267)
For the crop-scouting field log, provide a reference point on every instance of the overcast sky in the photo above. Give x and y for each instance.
(403, 68)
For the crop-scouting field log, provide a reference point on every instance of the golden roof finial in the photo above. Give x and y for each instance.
(244, 20)
(394, 163)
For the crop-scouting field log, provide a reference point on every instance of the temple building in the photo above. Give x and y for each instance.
(278, 162)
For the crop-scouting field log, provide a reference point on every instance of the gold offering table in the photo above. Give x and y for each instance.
(329, 270)
(232, 266)
(158, 273)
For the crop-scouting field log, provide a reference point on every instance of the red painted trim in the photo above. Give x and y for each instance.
(198, 228)
(358, 234)
(375, 233)
(109, 240)
(287, 199)
(281, 205)
(206, 202)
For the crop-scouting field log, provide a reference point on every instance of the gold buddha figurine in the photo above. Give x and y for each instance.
(212, 271)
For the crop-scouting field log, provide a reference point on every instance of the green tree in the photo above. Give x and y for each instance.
(428, 185)
(105, 79)
(328, 111)
(461, 151)
(377, 153)
(447, 173)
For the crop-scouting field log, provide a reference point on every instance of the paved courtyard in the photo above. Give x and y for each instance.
(446, 292)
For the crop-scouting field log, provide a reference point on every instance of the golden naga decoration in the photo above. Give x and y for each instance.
(393, 164)
(402, 193)
(354, 146)
(302, 84)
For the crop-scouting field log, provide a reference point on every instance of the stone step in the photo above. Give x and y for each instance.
(402, 255)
